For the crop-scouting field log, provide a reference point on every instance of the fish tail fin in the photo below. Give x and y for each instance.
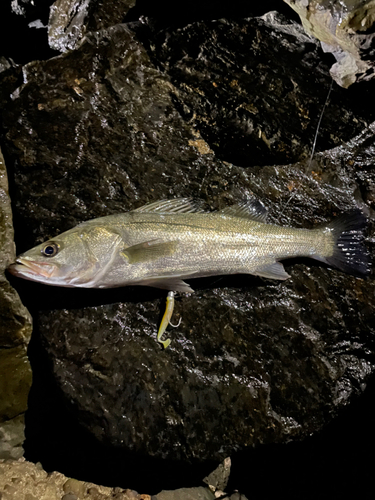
(349, 254)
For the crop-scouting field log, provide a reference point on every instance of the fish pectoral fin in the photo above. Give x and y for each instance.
(149, 250)
(273, 271)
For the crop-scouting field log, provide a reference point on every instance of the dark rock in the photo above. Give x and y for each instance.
(254, 88)
(106, 112)
(11, 78)
(71, 19)
(100, 130)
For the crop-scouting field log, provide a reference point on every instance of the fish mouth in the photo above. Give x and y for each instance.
(31, 269)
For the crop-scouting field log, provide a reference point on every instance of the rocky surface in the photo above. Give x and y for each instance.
(15, 332)
(24, 480)
(260, 107)
(345, 29)
(69, 20)
(220, 111)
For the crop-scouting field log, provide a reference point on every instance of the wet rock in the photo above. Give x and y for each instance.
(115, 132)
(11, 78)
(67, 23)
(260, 106)
(15, 332)
(101, 130)
(345, 29)
(70, 19)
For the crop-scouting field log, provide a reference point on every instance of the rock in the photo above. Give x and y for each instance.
(69, 496)
(12, 436)
(15, 332)
(345, 29)
(70, 19)
(101, 130)
(242, 105)
(24, 480)
(66, 24)
(186, 494)
(237, 496)
(74, 487)
(218, 479)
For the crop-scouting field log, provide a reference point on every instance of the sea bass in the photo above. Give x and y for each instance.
(162, 244)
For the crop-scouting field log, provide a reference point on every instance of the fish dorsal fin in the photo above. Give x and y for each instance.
(149, 250)
(250, 209)
(175, 206)
(273, 271)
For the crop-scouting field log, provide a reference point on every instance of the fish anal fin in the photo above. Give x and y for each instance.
(171, 284)
(250, 209)
(273, 271)
(149, 250)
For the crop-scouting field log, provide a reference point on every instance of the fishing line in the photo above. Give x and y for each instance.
(315, 140)
(318, 126)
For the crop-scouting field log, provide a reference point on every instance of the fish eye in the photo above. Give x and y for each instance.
(50, 249)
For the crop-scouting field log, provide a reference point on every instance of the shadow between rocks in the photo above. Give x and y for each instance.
(332, 464)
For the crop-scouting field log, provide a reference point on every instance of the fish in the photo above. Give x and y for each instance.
(164, 243)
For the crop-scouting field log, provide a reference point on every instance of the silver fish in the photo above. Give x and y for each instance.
(163, 243)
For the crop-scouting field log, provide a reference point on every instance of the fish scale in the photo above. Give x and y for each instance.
(163, 243)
